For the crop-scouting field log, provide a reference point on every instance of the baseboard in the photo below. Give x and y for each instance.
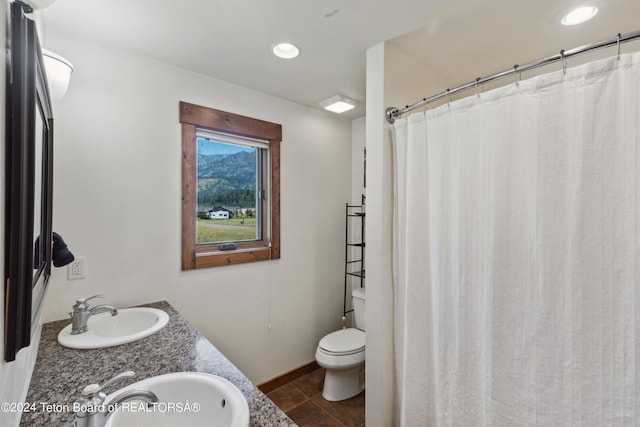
(288, 377)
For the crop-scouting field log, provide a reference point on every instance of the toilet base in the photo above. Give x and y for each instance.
(342, 384)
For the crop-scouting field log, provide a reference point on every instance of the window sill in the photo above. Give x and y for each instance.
(238, 256)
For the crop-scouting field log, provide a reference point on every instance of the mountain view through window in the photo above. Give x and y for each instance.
(227, 181)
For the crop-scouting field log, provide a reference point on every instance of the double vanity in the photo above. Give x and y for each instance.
(195, 384)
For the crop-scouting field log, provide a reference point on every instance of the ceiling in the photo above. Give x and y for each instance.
(231, 40)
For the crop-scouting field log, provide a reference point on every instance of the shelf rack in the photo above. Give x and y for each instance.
(354, 268)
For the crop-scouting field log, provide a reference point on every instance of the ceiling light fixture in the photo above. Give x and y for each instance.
(58, 74)
(285, 50)
(338, 104)
(579, 15)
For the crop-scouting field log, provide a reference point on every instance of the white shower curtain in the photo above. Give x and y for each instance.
(517, 254)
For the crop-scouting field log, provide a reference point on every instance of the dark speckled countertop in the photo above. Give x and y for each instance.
(61, 373)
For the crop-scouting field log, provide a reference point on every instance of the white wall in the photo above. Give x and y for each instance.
(379, 315)
(393, 79)
(358, 143)
(117, 202)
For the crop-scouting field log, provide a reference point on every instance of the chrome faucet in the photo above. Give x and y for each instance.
(90, 410)
(81, 313)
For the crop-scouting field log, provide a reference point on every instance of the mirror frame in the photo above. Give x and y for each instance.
(27, 94)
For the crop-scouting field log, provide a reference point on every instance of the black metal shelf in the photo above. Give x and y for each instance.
(351, 213)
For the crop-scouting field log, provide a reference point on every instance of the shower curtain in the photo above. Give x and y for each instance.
(517, 254)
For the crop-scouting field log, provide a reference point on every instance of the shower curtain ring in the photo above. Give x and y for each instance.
(476, 85)
(564, 62)
(516, 79)
(618, 42)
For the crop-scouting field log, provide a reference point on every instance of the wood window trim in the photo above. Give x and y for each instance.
(200, 256)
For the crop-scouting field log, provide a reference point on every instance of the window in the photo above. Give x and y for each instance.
(230, 188)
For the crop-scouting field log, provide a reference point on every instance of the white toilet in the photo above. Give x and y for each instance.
(341, 353)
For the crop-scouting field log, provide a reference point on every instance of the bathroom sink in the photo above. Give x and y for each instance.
(105, 330)
(192, 399)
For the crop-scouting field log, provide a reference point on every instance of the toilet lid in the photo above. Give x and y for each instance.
(344, 341)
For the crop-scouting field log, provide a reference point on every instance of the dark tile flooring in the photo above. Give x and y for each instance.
(302, 401)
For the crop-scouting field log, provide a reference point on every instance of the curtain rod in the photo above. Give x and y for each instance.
(392, 112)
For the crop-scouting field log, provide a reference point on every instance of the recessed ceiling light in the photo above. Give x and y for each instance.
(338, 104)
(285, 50)
(579, 15)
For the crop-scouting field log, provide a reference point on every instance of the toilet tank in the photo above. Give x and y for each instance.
(358, 307)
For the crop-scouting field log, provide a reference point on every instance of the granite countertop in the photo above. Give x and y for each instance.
(61, 373)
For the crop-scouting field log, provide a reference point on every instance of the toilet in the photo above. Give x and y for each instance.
(341, 353)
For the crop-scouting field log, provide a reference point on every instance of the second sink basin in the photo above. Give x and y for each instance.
(189, 399)
(105, 330)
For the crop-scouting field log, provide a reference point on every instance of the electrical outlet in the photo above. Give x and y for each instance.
(77, 269)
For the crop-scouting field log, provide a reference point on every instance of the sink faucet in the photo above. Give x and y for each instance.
(90, 410)
(81, 313)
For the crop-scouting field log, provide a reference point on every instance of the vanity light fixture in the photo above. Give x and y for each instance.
(579, 15)
(60, 253)
(58, 74)
(39, 4)
(338, 104)
(285, 50)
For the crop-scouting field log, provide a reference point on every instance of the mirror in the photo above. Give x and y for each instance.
(28, 174)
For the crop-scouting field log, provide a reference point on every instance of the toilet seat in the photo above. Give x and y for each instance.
(343, 342)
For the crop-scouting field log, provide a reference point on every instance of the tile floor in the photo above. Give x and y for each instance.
(302, 401)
